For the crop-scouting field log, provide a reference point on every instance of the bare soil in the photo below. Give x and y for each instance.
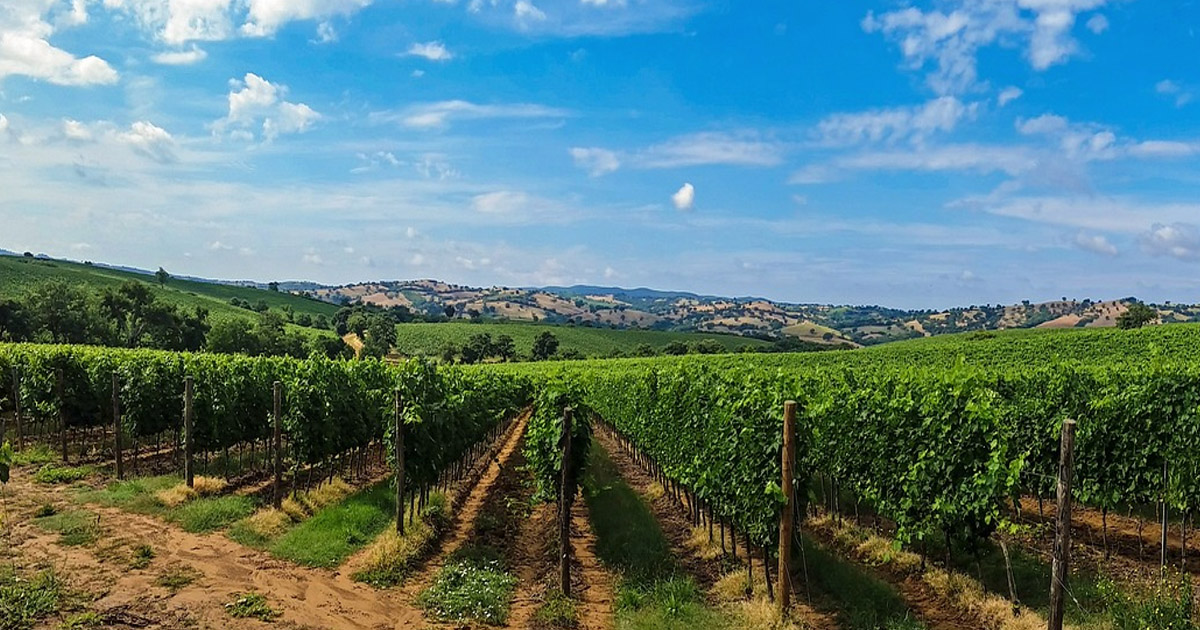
(222, 569)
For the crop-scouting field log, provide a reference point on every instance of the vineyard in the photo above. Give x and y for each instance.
(927, 470)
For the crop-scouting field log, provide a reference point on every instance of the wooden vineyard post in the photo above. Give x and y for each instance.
(188, 438)
(277, 444)
(62, 411)
(116, 407)
(564, 508)
(1166, 479)
(787, 523)
(1062, 538)
(16, 388)
(399, 463)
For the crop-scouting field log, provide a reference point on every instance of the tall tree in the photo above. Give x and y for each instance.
(163, 277)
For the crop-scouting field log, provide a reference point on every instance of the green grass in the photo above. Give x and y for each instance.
(34, 454)
(430, 339)
(208, 514)
(337, 531)
(56, 474)
(25, 601)
(473, 586)
(252, 606)
(177, 577)
(75, 528)
(653, 593)
(865, 602)
(201, 515)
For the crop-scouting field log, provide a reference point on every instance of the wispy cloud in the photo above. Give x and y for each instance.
(442, 113)
(433, 51)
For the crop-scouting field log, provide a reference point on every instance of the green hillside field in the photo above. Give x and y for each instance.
(430, 339)
(18, 274)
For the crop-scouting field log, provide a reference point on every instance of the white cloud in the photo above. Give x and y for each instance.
(326, 33)
(1100, 214)
(1008, 95)
(708, 148)
(1095, 243)
(433, 51)
(1176, 92)
(75, 130)
(267, 16)
(312, 257)
(604, 3)
(25, 49)
(1044, 124)
(893, 125)
(596, 161)
(151, 141)
(180, 57)
(1097, 24)
(685, 198)
(218, 246)
(3, 123)
(1178, 240)
(177, 22)
(254, 101)
(525, 11)
(949, 39)
(1163, 149)
(440, 114)
(500, 202)
(956, 157)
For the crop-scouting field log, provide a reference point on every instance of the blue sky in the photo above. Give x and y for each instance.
(914, 154)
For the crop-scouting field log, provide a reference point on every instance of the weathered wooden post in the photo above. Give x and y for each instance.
(1062, 539)
(566, 494)
(188, 439)
(787, 523)
(1165, 511)
(277, 444)
(116, 407)
(16, 388)
(399, 437)
(59, 389)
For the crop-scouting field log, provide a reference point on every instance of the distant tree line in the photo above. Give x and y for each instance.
(131, 316)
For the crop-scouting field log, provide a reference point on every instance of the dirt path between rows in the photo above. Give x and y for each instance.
(677, 526)
(222, 569)
(463, 523)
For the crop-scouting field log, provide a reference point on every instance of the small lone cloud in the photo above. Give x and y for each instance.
(685, 198)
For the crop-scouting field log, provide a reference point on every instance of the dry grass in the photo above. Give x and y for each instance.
(702, 546)
(304, 504)
(294, 509)
(655, 490)
(995, 612)
(960, 590)
(759, 613)
(387, 561)
(269, 523)
(201, 487)
(732, 586)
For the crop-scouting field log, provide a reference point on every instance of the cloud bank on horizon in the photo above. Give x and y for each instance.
(911, 153)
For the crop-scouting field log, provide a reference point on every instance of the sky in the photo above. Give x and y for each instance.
(903, 153)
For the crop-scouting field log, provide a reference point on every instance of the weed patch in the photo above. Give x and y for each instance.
(25, 601)
(76, 528)
(56, 474)
(252, 606)
(472, 587)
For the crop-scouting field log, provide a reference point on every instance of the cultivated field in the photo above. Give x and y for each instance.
(358, 494)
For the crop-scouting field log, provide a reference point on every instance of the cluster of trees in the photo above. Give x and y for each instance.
(130, 316)
(1137, 316)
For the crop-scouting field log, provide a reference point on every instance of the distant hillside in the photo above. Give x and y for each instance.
(18, 273)
(431, 339)
(650, 309)
(587, 306)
